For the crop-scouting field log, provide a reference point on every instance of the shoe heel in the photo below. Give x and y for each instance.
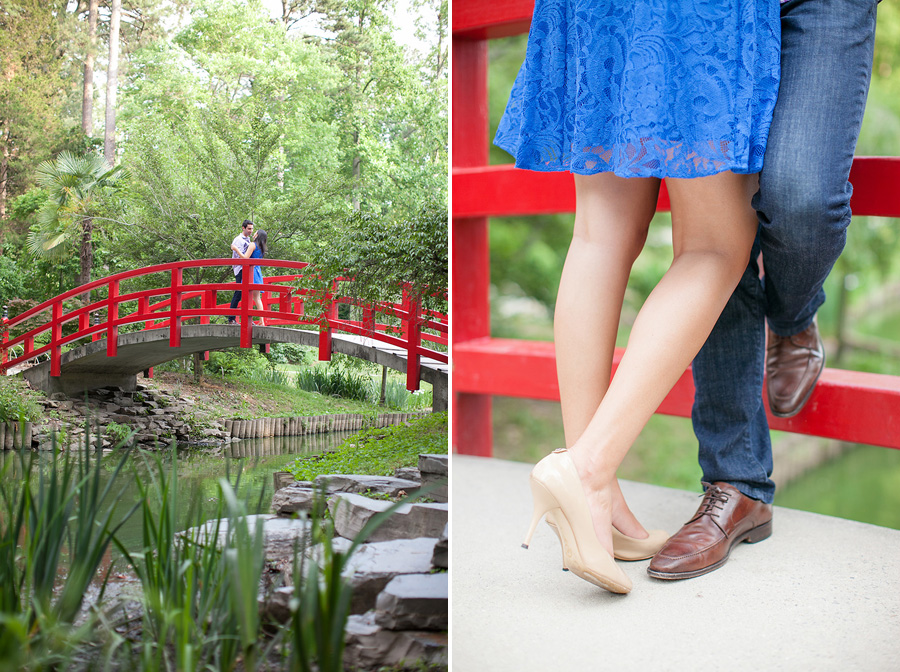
(764, 531)
(543, 502)
(551, 523)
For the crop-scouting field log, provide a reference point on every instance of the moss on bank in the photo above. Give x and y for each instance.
(378, 451)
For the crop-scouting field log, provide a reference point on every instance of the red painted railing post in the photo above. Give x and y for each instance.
(404, 324)
(112, 314)
(472, 425)
(207, 302)
(329, 313)
(55, 338)
(246, 326)
(175, 308)
(284, 304)
(413, 341)
(368, 319)
(144, 309)
(5, 341)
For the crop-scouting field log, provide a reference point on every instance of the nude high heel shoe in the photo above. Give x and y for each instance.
(625, 548)
(556, 489)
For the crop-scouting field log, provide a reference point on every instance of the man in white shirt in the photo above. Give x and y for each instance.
(238, 247)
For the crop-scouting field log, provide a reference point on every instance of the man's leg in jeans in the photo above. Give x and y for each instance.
(236, 297)
(804, 210)
(803, 207)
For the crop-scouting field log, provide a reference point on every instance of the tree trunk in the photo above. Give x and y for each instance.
(87, 98)
(383, 385)
(4, 169)
(112, 81)
(198, 368)
(87, 256)
(356, 163)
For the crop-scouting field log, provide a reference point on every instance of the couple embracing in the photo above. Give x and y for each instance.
(248, 245)
(750, 109)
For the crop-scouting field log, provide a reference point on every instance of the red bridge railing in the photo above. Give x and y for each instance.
(847, 405)
(39, 331)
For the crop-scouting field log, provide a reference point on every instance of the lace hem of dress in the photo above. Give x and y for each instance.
(645, 157)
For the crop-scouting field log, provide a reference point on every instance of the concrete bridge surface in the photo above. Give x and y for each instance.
(88, 366)
(820, 594)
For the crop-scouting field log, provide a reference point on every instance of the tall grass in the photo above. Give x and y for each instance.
(199, 592)
(336, 382)
(396, 396)
(271, 375)
(59, 526)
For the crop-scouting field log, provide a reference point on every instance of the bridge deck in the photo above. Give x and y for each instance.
(822, 593)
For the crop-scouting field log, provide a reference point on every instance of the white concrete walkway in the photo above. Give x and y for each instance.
(821, 594)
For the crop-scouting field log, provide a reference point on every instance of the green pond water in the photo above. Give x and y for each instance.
(249, 463)
(862, 484)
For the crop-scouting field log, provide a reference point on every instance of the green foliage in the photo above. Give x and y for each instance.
(28, 204)
(18, 402)
(396, 396)
(74, 186)
(378, 451)
(886, 67)
(118, 432)
(11, 285)
(32, 86)
(391, 115)
(243, 362)
(203, 176)
(382, 255)
(333, 381)
(292, 353)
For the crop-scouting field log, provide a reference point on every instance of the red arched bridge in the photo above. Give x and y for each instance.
(72, 348)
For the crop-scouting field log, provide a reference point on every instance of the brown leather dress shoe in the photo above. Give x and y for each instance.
(726, 517)
(793, 365)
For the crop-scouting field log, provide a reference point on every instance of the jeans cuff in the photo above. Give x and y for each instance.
(765, 495)
(786, 329)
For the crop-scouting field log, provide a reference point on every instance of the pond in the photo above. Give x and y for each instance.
(249, 462)
(860, 485)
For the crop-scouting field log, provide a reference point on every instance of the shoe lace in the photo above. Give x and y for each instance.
(714, 500)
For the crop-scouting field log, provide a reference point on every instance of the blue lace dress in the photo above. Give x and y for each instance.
(645, 88)
(257, 270)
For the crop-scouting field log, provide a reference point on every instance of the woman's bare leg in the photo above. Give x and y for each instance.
(713, 227)
(611, 221)
(257, 301)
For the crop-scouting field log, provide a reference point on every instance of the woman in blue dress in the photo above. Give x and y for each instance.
(623, 94)
(257, 250)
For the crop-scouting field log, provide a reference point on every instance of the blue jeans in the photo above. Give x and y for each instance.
(803, 205)
(236, 297)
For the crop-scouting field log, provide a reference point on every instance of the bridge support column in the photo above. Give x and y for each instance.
(440, 395)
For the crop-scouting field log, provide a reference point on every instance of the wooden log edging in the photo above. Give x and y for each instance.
(313, 424)
(14, 435)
